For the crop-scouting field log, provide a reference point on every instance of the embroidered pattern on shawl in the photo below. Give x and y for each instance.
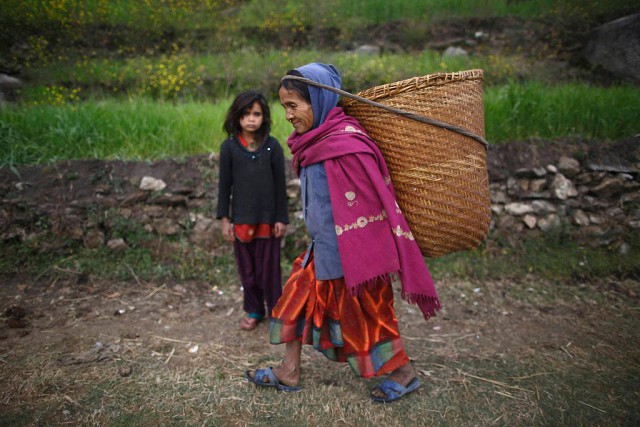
(374, 239)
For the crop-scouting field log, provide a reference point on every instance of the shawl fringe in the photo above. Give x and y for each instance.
(428, 305)
(369, 283)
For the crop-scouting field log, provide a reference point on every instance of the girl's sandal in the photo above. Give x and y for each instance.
(248, 323)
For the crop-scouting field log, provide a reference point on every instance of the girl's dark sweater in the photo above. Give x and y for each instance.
(252, 185)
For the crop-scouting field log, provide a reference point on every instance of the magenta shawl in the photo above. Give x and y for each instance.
(374, 239)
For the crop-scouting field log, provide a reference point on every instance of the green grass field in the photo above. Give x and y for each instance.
(146, 129)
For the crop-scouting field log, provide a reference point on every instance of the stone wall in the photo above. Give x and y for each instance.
(97, 203)
(596, 204)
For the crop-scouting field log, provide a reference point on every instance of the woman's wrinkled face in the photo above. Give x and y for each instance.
(297, 111)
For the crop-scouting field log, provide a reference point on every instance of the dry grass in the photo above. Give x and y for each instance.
(493, 357)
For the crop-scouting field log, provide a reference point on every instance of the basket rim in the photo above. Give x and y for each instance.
(416, 83)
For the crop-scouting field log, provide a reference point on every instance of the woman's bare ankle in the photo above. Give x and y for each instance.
(403, 375)
(288, 373)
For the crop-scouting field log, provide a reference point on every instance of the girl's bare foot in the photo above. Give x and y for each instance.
(248, 323)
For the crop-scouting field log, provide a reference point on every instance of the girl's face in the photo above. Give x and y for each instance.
(297, 111)
(252, 119)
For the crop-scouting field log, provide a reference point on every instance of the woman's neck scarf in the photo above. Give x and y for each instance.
(374, 239)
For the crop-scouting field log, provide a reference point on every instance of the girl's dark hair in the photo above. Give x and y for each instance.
(296, 86)
(240, 106)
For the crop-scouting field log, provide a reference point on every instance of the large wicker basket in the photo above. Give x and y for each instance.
(439, 175)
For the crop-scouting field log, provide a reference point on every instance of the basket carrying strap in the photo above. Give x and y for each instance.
(419, 118)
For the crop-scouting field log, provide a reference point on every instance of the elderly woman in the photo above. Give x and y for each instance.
(339, 296)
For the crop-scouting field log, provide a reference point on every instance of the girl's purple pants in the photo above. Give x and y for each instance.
(259, 269)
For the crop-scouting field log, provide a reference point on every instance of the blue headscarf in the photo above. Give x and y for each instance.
(322, 100)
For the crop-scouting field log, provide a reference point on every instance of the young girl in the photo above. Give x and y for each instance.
(252, 202)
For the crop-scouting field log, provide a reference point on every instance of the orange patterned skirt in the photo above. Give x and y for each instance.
(361, 330)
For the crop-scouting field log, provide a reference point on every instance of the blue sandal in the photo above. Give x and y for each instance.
(266, 378)
(394, 391)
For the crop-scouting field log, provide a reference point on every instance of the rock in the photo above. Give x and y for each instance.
(125, 370)
(537, 185)
(203, 232)
(608, 188)
(548, 223)
(524, 184)
(481, 35)
(615, 214)
(563, 188)
(630, 197)
(594, 230)
(117, 244)
(580, 218)
(624, 248)
(126, 213)
(149, 183)
(507, 222)
(102, 189)
(154, 211)
(71, 228)
(293, 188)
(569, 166)
(595, 219)
(625, 176)
(615, 47)
(9, 82)
(454, 51)
(203, 223)
(169, 200)
(498, 196)
(135, 198)
(614, 169)
(518, 208)
(530, 220)
(543, 207)
(368, 49)
(184, 190)
(166, 227)
(94, 239)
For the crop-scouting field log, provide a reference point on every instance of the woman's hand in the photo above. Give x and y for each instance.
(279, 229)
(227, 230)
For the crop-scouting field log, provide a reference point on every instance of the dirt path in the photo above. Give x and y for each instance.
(518, 353)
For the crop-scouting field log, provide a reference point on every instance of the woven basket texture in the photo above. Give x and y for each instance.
(440, 176)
